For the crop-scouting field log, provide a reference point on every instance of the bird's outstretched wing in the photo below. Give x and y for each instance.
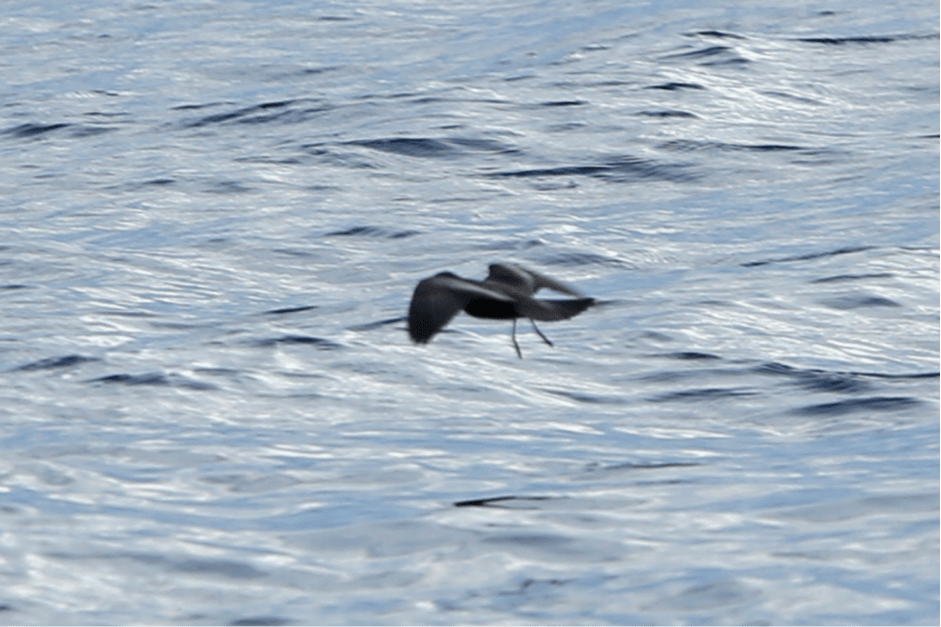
(550, 310)
(527, 280)
(438, 299)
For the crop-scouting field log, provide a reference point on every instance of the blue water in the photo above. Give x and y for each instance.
(213, 218)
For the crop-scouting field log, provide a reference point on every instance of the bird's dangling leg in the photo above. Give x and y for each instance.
(515, 344)
(544, 338)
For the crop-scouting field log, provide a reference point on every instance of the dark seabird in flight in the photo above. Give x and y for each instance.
(506, 294)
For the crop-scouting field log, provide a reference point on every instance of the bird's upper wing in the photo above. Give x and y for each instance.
(438, 299)
(463, 288)
(550, 310)
(518, 276)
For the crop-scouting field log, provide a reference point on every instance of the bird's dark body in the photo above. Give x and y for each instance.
(483, 308)
(506, 294)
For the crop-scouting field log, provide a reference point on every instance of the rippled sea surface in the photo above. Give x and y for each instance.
(214, 214)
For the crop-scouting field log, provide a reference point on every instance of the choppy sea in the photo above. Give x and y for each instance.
(213, 216)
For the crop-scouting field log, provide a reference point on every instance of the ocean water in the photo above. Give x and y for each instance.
(213, 217)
